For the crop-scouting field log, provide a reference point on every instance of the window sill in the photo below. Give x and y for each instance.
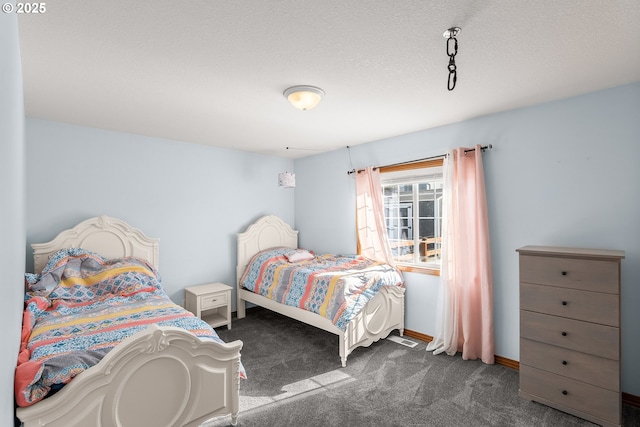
(416, 269)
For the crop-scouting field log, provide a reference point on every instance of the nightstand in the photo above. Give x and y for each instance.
(210, 302)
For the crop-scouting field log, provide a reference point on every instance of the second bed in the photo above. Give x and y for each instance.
(364, 299)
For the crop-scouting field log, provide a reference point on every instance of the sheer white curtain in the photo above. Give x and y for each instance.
(464, 312)
(370, 223)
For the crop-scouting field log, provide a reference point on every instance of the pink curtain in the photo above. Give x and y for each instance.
(370, 223)
(464, 311)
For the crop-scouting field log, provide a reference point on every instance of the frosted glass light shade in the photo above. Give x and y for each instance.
(286, 179)
(304, 97)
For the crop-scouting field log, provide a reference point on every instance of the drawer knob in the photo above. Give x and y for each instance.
(565, 392)
(564, 334)
(564, 303)
(564, 273)
(564, 362)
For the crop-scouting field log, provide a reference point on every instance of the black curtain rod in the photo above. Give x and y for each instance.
(484, 147)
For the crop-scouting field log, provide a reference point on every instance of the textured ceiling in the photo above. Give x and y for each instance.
(213, 72)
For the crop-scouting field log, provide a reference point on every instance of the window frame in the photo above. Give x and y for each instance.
(431, 163)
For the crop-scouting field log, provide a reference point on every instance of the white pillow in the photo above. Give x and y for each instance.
(299, 255)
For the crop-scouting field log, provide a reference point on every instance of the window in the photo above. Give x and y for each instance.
(412, 196)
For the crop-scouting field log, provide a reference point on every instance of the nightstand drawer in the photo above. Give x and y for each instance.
(212, 301)
(567, 393)
(593, 307)
(576, 335)
(585, 274)
(598, 371)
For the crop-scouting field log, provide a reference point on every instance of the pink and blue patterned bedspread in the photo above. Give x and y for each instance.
(336, 287)
(81, 307)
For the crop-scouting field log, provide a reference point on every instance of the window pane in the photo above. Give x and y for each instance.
(427, 228)
(427, 208)
(413, 211)
(399, 215)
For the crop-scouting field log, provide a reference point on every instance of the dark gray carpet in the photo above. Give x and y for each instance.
(295, 379)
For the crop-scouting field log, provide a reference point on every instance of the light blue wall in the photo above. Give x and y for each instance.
(194, 198)
(12, 225)
(562, 173)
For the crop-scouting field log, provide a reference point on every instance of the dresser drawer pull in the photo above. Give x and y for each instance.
(565, 392)
(564, 362)
(564, 303)
(564, 273)
(564, 334)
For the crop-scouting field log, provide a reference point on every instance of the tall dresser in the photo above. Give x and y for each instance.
(570, 330)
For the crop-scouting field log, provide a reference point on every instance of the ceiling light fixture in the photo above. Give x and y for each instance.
(304, 97)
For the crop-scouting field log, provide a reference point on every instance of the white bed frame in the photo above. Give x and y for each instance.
(163, 376)
(381, 315)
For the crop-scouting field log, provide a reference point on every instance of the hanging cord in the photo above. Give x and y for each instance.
(452, 51)
(350, 162)
(303, 149)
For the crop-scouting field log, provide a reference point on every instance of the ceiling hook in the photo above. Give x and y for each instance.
(451, 32)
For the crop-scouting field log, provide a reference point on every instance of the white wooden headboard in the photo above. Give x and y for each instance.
(267, 232)
(107, 236)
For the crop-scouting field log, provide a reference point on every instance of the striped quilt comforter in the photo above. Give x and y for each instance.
(82, 306)
(336, 287)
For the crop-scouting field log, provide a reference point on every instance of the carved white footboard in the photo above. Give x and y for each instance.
(158, 377)
(381, 315)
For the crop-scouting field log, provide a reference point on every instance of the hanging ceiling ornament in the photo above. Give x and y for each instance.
(452, 50)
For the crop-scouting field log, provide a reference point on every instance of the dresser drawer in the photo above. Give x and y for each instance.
(576, 335)
(584, 367)
(565, 392)
(593, 307)
(212, 301)
(585, 274)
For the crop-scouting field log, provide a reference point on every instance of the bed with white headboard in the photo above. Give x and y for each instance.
(162, 376)
(381, 315)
